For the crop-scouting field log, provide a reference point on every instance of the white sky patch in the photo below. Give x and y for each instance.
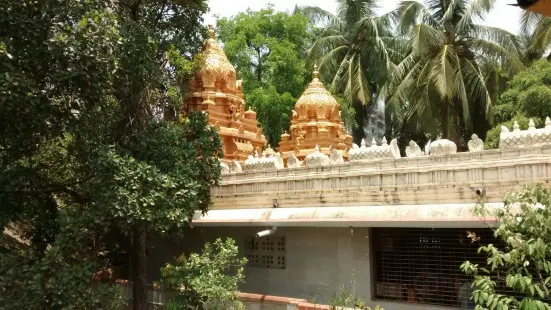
(503, 16)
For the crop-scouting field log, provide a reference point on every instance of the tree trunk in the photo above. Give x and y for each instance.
(361, 121)
(139, 268)
(450, 124)
(446, 120)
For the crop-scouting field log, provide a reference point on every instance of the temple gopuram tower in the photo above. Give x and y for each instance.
(216, 91)
(315, 121)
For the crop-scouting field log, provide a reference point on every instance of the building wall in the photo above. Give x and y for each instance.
(420, 180)
(318, 261)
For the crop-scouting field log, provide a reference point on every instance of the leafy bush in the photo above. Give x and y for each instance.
(524, 264)
(208, 280)
(344, 298)
(528, 96)
(536, 101)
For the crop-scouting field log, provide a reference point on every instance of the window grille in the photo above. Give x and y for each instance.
(268, 252)
(422, 265)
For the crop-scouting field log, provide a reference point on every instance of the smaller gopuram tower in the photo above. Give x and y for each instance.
(316, 120)
(216, 91)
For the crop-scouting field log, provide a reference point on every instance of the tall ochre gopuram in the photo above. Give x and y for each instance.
(316, 120)
(216, 91)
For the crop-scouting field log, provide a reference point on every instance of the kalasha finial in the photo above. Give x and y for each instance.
(211, 32)
(531, 125)
(316, 73)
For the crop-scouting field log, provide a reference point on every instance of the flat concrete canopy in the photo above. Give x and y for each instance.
(432, 216)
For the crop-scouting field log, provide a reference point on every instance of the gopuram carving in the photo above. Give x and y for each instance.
(315, 121)
(216, 91)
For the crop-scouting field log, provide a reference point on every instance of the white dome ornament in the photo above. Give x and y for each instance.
(443, 147)
(317, 158)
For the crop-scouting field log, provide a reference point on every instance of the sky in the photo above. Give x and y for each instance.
(503, 15)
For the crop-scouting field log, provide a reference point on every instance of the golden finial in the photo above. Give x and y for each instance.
(211, 32)
(315, 73)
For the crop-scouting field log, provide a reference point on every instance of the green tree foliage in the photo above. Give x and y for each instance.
(274, 111)
(208, 280)
(528, 97)
(524, 263)
(52, 282)
(56, 65)
(442, 76)
(268, 49)
(88, 164)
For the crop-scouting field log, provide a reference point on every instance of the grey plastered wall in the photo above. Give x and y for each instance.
(318, 260)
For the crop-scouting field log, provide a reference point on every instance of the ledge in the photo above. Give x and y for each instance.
(452, 215)
(294, 303)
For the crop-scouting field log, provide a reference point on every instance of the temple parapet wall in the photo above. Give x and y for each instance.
(443, 176)
(525, 138)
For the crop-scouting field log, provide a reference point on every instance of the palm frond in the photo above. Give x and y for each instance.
(541, 38)
(424, 37)
(326, 43)
(476, 85)
(462, 95)
(480, 8)
(410, 13)
(443, 72)
(477, 9)
(330, 62)
(497, 42)
(351, 11)
(453, 9)
(404, 81)
(529, 20)
(360, 88)
(341, 78)
(315, 14)
(370, 33)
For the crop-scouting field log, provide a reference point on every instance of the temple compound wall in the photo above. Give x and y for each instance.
(392, 230)
(319, 212)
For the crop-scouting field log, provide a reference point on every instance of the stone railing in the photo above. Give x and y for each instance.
(524, 138)
(443, 176)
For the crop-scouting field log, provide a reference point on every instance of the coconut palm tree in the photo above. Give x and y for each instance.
(354, 51)
(445, 77)
(536, 32)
